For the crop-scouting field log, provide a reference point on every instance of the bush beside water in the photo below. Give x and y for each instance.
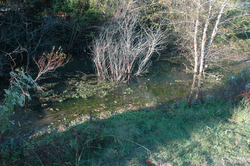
(215, 132)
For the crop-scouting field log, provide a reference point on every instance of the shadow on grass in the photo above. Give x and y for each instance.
(213, 133)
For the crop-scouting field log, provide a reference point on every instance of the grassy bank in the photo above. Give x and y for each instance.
(213, 133)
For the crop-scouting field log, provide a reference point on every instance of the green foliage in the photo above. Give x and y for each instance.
(235, 30)
(82, 11)
(174, 135)
(15, 96)
(80, 87)
(75, 8)
(241, 47)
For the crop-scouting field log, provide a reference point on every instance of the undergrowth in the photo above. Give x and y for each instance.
(213, 133)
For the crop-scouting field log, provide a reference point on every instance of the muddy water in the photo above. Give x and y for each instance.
(164, 84)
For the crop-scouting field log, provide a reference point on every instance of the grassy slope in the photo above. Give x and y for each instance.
(214, 133)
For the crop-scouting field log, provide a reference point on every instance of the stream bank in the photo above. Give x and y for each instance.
(76, 95)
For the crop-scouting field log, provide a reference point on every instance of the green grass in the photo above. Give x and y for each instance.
(213, 133)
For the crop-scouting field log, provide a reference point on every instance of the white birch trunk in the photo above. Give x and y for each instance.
(213, 35)
(196, 58)
(204, 38)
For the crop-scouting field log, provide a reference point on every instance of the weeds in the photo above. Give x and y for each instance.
(214, 133)
(16, 94)
(21, 83)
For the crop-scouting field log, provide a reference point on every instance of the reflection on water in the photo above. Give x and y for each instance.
(164, 84)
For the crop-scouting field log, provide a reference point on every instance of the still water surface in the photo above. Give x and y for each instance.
(165, 84)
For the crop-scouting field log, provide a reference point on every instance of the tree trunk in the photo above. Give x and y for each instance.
(213, 34)
(203, 51)
(203, 43)
(196, 56)
(192, 90)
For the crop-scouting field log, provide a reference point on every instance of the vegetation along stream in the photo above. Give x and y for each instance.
(76, 95)
(86, 82)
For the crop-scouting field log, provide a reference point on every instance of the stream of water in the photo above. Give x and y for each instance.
(165, 84)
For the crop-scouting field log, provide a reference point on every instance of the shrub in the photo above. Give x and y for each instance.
(21, 83)
(125, 43)
(16, 94)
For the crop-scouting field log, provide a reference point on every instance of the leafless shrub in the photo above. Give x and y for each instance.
(19, 31)
(4, 62)
(50, 62)
(125, 44)
(35, 35)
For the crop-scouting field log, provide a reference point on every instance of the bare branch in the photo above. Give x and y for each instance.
(50, 62)
(123, 44)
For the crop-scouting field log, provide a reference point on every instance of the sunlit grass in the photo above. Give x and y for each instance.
(213, 133)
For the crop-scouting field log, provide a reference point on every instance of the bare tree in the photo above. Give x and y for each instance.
(35, 35)
(200, 20)
(19, 31)
(125, 44)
